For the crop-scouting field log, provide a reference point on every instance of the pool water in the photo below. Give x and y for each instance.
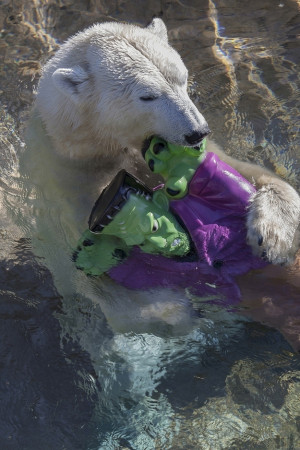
(86, 364)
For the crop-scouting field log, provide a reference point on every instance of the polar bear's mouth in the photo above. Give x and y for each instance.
(146, 145)
(148, 140)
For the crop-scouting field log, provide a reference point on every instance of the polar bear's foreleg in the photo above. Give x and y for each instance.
(274, 213)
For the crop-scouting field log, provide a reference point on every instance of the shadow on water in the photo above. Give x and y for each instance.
(42, 375)
(67, 381)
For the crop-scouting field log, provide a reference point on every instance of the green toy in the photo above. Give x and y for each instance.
(127, 214)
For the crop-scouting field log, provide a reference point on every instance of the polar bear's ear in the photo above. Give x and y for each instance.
(71, 82)
(158, 27)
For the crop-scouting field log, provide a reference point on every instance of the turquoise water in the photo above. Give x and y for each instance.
(87, 365)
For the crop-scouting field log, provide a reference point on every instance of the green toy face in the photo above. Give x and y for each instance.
(175, 163)
(147, 223)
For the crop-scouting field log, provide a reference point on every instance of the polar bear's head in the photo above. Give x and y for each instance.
(114, 85)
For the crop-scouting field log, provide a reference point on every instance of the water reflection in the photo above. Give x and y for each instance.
(75, 375)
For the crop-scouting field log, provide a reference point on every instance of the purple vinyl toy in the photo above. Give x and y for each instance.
(209, 200)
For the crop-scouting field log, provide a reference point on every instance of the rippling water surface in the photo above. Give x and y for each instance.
(90, 366)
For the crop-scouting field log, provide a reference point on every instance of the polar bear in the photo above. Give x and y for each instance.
(114, 85)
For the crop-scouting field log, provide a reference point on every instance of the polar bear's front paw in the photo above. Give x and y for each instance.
(273, 222)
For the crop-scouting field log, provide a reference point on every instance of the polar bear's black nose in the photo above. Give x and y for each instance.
(197, 136)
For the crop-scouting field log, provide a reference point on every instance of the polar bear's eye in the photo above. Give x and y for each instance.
(148, 98)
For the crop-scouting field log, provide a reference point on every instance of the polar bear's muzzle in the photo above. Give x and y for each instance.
(197, 137)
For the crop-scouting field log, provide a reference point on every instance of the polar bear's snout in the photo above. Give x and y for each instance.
(179, 121)
(196, 137)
